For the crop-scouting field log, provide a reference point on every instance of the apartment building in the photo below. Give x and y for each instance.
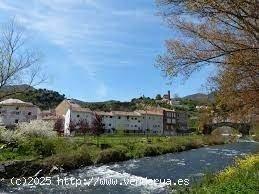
(155, 120)
(14, 111)
(108, 120)
(152, 121)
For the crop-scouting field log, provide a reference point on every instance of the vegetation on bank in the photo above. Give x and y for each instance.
(241, 178)
(45, 148)
(111, 148)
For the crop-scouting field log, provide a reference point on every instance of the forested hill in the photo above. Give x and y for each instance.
(43, 98)
(48, 99)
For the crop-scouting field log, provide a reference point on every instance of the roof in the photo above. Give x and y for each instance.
(79, 109)
(73, 104)
(124, 113)
(76, 107)
(15, 102)
(104, 113)
(150, 112)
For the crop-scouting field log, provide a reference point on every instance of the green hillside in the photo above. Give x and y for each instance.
(43, 98)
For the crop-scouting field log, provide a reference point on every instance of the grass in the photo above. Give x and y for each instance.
(240, 178)
(133, 146)
(73, 152)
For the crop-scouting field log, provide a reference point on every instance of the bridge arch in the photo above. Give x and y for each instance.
(243, 128)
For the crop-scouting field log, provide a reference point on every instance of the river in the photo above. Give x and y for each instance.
(137, 176)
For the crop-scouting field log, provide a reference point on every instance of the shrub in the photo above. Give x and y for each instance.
(70, 160)
(37, 128)
(104, 146)
(240, 178)
(152, 150)
(38, 146)
(111, 155)
(8, 136)
(44, 147)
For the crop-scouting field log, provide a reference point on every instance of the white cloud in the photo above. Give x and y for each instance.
(78, 26)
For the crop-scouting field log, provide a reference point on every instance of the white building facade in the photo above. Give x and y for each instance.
(14, 111)
(155, 121)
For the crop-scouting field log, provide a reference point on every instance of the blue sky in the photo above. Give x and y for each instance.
(96, 50)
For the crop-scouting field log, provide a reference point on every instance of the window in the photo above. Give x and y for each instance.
(78, 116)
(110, 116)
(139, 121)
(135, 118)
(110, 124)
(119, 117)
(17, 108)
(29, 113)
(17, 113)
(16, 121)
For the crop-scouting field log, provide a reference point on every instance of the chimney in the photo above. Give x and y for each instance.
(169, 97)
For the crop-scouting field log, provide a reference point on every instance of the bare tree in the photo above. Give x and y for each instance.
(97, 127)
(59, 125)
(19, 64)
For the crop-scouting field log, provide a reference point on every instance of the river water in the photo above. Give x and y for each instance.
(137, 176)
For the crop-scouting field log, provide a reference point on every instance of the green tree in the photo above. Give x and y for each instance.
(158, 97)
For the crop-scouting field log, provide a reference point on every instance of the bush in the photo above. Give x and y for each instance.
(70, 160)
(37, 146)
(111, 155)
(151, 150)
(36, 128)
(240, 178)
(8, 136)
(44, 147)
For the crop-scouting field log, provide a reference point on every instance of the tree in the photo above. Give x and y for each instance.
(220, 33)
(83, 126)
(72, 126)
(158, 97)
(59, 125)
(97, 127)
(19, 64)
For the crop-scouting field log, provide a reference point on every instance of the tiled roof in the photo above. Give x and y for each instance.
(73, 104)
(124, 113)
(80, 109)
(15, 102)
(150, 112)
(104, 113)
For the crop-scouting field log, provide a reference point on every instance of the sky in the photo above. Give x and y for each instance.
(98, 50)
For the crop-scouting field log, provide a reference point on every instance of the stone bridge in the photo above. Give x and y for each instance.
(243, 128)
